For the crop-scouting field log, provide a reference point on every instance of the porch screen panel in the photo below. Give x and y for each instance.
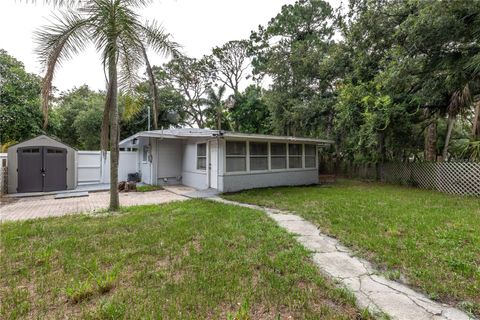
(310, 155)
(278, 155)
(236, 156)
(294, 156)
(258, 156)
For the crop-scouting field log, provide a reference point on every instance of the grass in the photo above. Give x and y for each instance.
(425, 238)
(148, 188)
(186, 260)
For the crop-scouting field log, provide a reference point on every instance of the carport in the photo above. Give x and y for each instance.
(41, 164)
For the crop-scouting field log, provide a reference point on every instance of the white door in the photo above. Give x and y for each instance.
(213, 164)
(145, 164)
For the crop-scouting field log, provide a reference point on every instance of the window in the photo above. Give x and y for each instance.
(294, 156)
(145, 154)
(36, 150)
(310, 155)
(278, 155)
(54, 151)
(202, 156)
(258, 156)
(236, 156)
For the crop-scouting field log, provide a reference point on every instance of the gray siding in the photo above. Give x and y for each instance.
(232, 182)
(169, 161)
(41, 141)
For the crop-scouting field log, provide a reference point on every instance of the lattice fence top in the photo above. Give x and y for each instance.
(451, 177)
(462, 178)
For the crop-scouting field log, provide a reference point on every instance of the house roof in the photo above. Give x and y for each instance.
(186, 133)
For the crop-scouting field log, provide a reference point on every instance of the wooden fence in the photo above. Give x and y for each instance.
(462, 178)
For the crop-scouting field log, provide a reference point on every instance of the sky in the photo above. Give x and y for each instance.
(198, 25)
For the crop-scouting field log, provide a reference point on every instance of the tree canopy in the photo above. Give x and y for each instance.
(386, 80)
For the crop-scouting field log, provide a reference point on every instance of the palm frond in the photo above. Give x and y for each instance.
(133, 106)
(57, 43)
(131, 59)
(136, 3)
(156, 38)
(460, 100)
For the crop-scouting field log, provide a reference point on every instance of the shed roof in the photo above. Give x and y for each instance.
(186, 133)
(41, 136)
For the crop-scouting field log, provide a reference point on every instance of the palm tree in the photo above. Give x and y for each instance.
(216, 104)
(117, 33)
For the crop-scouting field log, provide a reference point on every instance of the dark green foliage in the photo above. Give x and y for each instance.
(295, 50)
(80, 111)
(20, 114)
(249, 113)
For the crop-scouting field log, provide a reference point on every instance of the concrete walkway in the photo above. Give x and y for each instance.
(371, 290)
(47, 206)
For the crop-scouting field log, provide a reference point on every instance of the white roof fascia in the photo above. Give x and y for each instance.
(277, 138)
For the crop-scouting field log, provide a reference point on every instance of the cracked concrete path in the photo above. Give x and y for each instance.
(371, 290)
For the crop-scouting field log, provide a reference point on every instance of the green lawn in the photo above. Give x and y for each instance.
(429, 239)
(148, 188)
(192, 259)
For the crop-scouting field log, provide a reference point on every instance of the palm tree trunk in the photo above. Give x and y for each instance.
(153, 89)
(476, 122)
(431, 141)
(219, 119)
(114, 131)
(451, 123)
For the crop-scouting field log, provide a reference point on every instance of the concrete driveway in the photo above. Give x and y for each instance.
(47, 206)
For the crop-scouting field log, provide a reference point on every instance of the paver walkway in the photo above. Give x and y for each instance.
(371, 290)
(47, 206)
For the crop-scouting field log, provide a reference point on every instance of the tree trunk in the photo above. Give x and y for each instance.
(476, 122)
(431, 141)
(451, 123)
(381, 154)
(114, 131)
(153, 89)
(219, 119)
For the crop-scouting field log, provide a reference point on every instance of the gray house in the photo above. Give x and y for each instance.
(225, 161)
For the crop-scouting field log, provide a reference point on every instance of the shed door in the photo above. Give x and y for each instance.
(55, 169)
(30, 165)
(42, 169)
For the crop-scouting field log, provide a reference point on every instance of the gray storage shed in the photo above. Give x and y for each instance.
(41, 164)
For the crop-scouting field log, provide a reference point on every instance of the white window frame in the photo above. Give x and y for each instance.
(277, 156)
(248, 170)
(314, 155)
(301, 156)
(250, 156)
(145, 152)
(246, 156)
(197, 157)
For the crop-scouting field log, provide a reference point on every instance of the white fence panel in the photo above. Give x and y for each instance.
(89, 167)
(127, 164)
(93, 168)
(3, 159)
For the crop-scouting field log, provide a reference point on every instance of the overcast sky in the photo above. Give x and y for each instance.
(198, 25)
